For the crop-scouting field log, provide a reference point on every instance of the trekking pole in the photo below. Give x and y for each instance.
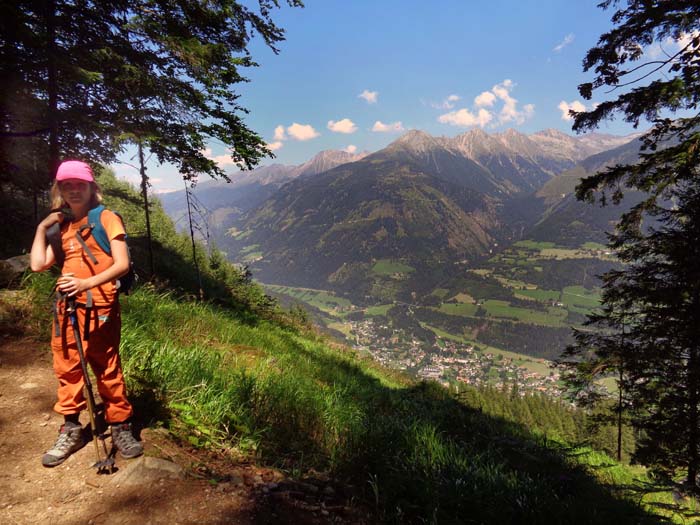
(102, 465)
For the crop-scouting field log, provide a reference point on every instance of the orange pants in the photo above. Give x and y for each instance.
(101, 352)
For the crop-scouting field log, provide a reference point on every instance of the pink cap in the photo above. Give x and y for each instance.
(74, 169)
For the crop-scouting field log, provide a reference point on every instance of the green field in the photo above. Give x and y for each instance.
(539, 295)
(440, 292)
(564, 253)
(463, 298)
(467, 309)
(381, 309)
(552, 317)
(344, 328)
(533, 364)
(250, 248)
(534, 245)
(512, 283)
(390, 267)
(252, 257)
(578, 296)
(318, 298)
(594, 246)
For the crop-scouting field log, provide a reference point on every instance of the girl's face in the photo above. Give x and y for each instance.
(75, 192)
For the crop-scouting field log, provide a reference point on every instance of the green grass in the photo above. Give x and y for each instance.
(540, 295)
(552, 317)
(413, 451)
(440, 292)
(534, 245)
(513, 283)
(250, 248)
(463, 298)
(594, 246)
(389, 267)
(467, 309)
(379, 310)
(321, 299)
(580, 297)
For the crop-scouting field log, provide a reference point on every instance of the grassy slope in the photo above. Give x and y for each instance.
(228, 378)
(410, 447)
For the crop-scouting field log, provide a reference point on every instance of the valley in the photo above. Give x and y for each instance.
(463, 260)
(494, 324)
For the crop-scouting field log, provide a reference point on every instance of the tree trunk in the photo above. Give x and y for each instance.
(194, 248)
(693, 424)
(619, 416)
(144, 192)
(52, 88)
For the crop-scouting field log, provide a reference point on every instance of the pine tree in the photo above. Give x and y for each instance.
(83, 80)
(648, 327)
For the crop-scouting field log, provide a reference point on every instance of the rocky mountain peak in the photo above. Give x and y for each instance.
(415, 137)
(326, 160)
(551, 133)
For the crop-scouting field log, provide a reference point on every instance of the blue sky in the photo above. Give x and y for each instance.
(357, 74)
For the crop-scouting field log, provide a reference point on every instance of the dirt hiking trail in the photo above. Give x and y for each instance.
(170, 484)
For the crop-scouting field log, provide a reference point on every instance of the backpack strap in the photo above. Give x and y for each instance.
(53, 236)
(98, 231)
(89, 310)
(79, 235)
(88, 314)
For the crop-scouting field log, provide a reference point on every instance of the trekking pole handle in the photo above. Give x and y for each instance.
(71, 311)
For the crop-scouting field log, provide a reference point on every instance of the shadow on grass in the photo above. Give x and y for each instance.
(412, 452)
(422, 456)
(173, 267)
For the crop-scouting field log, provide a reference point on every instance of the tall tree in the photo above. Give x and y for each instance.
(650, 65)
(98, 75)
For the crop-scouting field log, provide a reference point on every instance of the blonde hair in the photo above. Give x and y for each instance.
(58, 202)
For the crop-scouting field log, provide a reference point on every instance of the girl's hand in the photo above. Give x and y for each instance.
(51, 219)
(71, 285)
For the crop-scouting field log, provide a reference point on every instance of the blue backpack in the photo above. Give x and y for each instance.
(95, 228)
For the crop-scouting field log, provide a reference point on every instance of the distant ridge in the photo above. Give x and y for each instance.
(427, 201)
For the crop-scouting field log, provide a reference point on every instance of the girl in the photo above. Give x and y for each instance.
(92, 284)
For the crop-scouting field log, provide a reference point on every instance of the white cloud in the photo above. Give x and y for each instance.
(685, 39)
(221, 160)
(224, 160)
(466, 118)
(302, 131)
(479, 116)
(279, 133)
(274, 146)
(351, 148)
(369, 96)
(448, 103)
(564, 106)
(342, 126)
(509, 111)
(567, 40)
(486, 99)
(669, 46)
(380, 127)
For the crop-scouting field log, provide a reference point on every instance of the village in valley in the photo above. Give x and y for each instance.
(453, 363)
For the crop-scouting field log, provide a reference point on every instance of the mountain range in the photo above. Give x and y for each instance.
(425, 201)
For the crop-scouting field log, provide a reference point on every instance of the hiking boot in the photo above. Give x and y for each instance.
(124, 440)
(70, 439)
